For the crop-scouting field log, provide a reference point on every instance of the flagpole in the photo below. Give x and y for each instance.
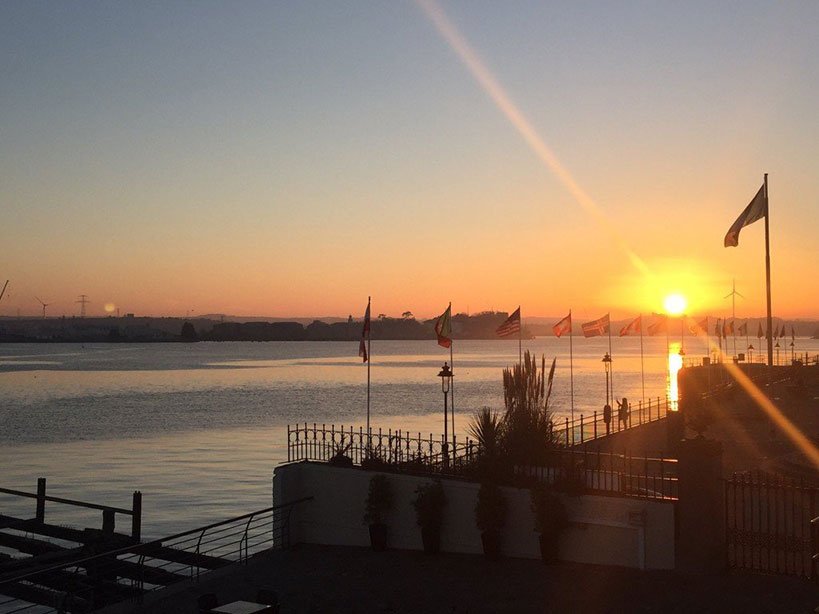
(768, 274)
(520, 339)
(452, 380)
(642, 364)
(369, 360)
(571, 363)
(611, 364)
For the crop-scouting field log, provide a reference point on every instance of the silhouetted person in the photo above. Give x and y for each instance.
(607, 417)
(622, 412)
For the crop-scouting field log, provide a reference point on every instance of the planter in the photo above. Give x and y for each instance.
(431, 537)
(378, 536)
(491, 541)
(549, 548)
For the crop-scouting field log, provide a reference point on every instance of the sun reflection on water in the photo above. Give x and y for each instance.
(675, 363)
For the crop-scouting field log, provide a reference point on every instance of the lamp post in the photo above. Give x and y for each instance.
(777, 353)
(751, 353)
(446, 379)
(607, 364)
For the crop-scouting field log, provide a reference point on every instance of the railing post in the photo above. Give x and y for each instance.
(595, 424)
(108, 520)
(567, 433)
(581, 428)
(41, 493)
(136, 516)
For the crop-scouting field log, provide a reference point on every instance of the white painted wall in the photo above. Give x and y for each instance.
(602, 529)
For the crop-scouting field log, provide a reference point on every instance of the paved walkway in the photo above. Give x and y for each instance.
(314, 579)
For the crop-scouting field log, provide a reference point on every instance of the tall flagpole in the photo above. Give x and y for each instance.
(611, 364)
(642, 364)
(452, 380)
(369, 360)
(768, 274)
(520, 339)
(571, 362)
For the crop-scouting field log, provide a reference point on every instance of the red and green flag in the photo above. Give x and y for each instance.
(443, 328)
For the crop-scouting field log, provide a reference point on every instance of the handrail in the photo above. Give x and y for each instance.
(135, 549)
(75, 503)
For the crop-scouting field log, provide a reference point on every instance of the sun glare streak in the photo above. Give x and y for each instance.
(499, 96)
(790, 430)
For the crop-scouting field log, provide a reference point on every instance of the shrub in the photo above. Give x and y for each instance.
(429, 504)
(549, 511)
(490, 509)
(379, 500)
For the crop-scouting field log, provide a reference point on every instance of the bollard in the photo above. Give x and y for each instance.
(41, 494)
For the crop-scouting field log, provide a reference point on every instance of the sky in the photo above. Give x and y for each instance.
(294, 158)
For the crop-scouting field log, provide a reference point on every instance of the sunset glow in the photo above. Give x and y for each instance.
(675, 304)
(468, 156)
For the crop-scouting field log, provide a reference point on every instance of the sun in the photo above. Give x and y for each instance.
(675, 304)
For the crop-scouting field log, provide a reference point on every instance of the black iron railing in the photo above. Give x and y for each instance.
(127, 574)
(643, 477)
(769, 521)
(588, 428)
(591, 471)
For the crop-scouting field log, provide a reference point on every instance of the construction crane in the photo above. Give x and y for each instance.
(44, 306)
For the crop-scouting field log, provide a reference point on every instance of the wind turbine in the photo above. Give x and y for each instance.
(44, 306)
(734, 294)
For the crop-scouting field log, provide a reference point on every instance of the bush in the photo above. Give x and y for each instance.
(549, 511)
(429, 504)
(490, 509)
(379, 500)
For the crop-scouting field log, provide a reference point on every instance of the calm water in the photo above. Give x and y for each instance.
(199, 428)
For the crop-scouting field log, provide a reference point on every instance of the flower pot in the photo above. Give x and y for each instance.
(491, 541)
(378, 536)
(431, 536)
(549, 547)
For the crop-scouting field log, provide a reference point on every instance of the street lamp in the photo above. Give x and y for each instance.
(751, 353)
(777, 353)
(607, 363)
(446, 380)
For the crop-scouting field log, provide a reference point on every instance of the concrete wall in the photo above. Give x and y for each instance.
(603, 530)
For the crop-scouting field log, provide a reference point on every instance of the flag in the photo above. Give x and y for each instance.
(510, 326)
(365, 333)
(783, 333)
(743, 329)
(756, 210)
(718, 330)
(727, 328)
(564, 326)
(443, 328)
(633, 327)
(793, 335)
(596, 327)
(699, 327)
(660, 326)
(759, 333)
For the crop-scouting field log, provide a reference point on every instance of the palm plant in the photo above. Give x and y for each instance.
(528, 432)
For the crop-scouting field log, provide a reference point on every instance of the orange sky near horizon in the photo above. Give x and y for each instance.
(287, 162)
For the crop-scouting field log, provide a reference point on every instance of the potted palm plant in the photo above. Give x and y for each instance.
(429, 504)
(490, 517)
(550, 521)
(376, 507)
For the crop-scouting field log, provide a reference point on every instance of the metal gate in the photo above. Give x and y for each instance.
(768, 523)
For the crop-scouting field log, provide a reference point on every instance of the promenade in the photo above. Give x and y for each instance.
(313, 579)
